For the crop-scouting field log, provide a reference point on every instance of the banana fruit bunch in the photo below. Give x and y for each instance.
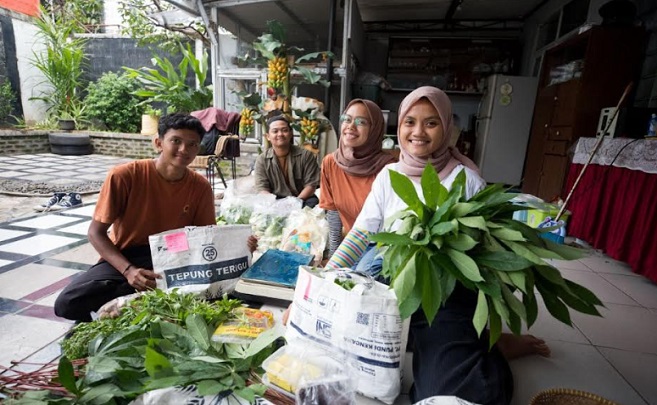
(309, 127)
(277, 74)
(246, 122)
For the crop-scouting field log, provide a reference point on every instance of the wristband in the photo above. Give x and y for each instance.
(126, 269)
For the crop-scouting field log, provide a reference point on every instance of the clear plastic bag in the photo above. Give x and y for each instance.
(303, 369)
(269, 218)
(306, 231)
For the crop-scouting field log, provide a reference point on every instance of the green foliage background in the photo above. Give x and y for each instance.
(110, 101)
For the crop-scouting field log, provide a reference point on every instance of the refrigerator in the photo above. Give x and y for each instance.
(502, 127)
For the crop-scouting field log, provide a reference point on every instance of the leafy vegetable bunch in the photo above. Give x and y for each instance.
(171, 347)
(447, 239)
(153, 306)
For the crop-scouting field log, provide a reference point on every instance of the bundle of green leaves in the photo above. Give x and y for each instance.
(447, 239)
(159, 340)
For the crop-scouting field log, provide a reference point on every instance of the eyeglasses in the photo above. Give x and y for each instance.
(358, 121)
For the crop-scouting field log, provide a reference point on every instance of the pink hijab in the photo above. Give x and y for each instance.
(445, 158)
(368, 158)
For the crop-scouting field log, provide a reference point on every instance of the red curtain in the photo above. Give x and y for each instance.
(615, 210)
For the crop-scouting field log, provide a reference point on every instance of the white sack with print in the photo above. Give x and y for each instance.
(362, 322)
(203, 259)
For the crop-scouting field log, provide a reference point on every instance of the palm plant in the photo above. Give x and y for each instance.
(61, 64)
(167, 83)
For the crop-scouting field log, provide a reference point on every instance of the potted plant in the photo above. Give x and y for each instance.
(149, 120)
(271, 50)
(66, 121)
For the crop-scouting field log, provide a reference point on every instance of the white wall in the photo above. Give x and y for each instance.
(112, 18)
(31, 79)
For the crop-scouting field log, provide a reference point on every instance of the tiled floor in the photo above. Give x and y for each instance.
(614, 356)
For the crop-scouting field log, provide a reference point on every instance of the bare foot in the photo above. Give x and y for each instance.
(514, 346)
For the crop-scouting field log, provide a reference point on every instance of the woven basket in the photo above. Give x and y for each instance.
(566, 396)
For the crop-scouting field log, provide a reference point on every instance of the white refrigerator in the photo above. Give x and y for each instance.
(503, 126)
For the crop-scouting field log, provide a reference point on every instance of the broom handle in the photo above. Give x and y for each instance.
(593, 152)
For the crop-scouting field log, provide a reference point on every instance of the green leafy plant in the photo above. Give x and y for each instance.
(110, 102)
(61, 63)
(284, 72)
(154, 112)
(448, 239)
(167, 83)
(85, 15)
(7, 100)
(159, 340)
(138, 23)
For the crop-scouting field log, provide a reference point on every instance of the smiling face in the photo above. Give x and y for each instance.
(280, 134)
(178, 147)
(421, 132)
(355, 126)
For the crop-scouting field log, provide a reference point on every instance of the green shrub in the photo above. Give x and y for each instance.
(7, 99)
(110, 101)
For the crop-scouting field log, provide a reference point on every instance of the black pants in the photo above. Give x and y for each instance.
(450, 359)
(99, 285)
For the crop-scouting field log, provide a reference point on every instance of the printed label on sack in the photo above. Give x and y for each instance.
(176, 242)
(207, 273)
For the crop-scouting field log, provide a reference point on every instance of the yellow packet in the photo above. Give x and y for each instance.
(244, 327)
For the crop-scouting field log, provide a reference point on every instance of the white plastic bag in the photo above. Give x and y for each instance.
(362, 322)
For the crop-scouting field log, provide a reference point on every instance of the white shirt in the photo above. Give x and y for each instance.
(382, 202)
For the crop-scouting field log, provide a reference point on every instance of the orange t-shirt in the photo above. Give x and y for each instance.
(343, 192)
(139, 202)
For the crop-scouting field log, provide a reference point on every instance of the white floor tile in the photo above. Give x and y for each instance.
(80, 229)
(45, 222)
(569, 264)
(36, 177)
(40, 170)
(640, 289)
(9, 234)
(5, 262)
(621, 327)
(10, 173)
(574, 366)
(604, 264)
(38, 244)
(639, 369)
(602, 288)
(87, 210)
(49, 301)
(23, 335)
(48, 354)
(81, 254)
(22, 281)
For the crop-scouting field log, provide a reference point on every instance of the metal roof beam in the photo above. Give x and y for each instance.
(185, 5)
(232, 3)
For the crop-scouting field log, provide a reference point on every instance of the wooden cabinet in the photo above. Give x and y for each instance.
(579, 77)
(454, 64)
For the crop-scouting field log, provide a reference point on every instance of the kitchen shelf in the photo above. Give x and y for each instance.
(453, 92)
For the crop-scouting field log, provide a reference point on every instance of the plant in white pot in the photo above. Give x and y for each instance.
(446, 239)
(149, 120)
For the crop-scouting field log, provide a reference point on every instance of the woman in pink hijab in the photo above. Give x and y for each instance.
(449, 358)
